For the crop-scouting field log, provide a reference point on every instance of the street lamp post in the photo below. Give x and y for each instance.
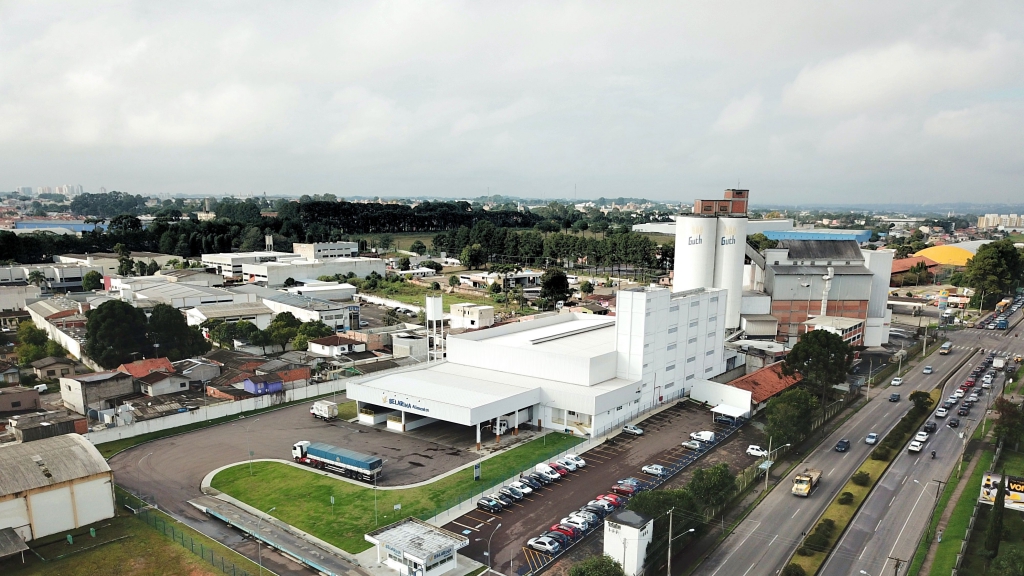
(489, 548)
(248, 445)
(259, 550)
(137, 479)
(769, 459)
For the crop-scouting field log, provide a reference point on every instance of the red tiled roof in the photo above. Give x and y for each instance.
(905, 264)
(294, 374)
(766, 382)
(334, 340)
(140, 368)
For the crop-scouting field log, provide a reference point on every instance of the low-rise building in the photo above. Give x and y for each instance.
(39, 425)
(197, 371)
(59, 277)
(141, 368)
(181, 295)
(229, 264)
(53, 367)
(322, 250)
(413, 547)
(15, 398)
(335, 346)
(274, 274)
(159, 383)
(9, 373)
(324, 290)
(850, 329)
(109, 261)
(97, 391)
(471, 316)
(13, 297)
(254, 312)
(194, 276)
(307, 309)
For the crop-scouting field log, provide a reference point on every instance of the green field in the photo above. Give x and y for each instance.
(946, 551)
(303, 498)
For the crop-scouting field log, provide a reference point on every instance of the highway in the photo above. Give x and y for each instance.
(764, 541)
(896, 513)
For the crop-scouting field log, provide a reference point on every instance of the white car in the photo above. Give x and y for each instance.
(941, 413)
(544, 544)
(630, 429)
(871, 438)
(580, 462)
(522, 487)
(588, 516)
(653, 469)
(757, 451)
(986, 385)
(692, 444)
(896, 382)
(921, 437)
(568, 464)
(927, 370)
(972, 398)
(987, 379)
(915, 446)
(606, 505)
(576, 522)
(958, 394)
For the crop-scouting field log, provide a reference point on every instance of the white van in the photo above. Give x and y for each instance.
(704, 436)
(548, 472)
(41, 388)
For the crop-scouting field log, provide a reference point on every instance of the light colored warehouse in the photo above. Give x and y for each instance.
(54, 485)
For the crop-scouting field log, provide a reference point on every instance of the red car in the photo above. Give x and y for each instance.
(623, 489)
(615, 499)
(570, 531)
(562, 470)
(969, 383)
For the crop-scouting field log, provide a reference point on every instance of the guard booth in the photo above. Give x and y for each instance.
(412, 547)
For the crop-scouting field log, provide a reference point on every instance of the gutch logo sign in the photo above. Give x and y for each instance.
(694, 238)
(728, 236)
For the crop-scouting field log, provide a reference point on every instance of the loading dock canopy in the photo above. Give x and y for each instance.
(733, 411)
(11, 543)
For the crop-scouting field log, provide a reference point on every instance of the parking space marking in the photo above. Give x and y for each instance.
(479, 520)
(464, 526)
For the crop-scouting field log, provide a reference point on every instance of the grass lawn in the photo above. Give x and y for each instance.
(956, 527)
(139, 551)
(975, 559)
(347, 410)
(303, 498)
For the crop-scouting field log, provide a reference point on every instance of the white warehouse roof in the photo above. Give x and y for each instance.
(47, 462)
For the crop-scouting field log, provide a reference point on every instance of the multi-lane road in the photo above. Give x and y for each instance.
(769, 535)
(891, 521)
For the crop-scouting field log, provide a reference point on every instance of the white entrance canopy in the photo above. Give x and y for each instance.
(733, 411)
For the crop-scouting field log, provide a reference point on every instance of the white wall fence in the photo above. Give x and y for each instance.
(386, 302)
(216, 411)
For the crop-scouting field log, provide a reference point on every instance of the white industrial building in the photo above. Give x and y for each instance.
(274, 274)
(324, 290)
(54, 485)
(307, 309)
(582, 372)
(181, 295)
(14, 297)
(322, 250)
(59, 277)
(232, 312)
(229, 264)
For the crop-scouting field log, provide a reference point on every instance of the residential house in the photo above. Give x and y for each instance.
(335, 346)
(140, 368)
(764, 384)
(97, 391)
(18, 398)
(197, 371)
(53, 367)
(263, 384)
(9, 373)
(158, 383)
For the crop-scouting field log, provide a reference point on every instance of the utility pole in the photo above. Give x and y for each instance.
(668, 571)
(896, 568)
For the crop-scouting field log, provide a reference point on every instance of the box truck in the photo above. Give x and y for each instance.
(324, 410)
(806, 481)
(338, 460)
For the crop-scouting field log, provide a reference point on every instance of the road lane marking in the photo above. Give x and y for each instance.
(904, 480)
(795, 513)
(909, 516)
(749, 569)
(831, 471)
(862, 552)
(893, 500)
(726, 561)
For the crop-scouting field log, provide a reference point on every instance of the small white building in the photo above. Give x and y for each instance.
(159, 383)
(324, 290)
(254, 312)
(471, 316)
(321, 250)
(335, 346)
(229, 264)
(626, 536)
(416, 272)
(59, 277)
(274, 274)
(308, 309)
(54, 485)
(412, 547)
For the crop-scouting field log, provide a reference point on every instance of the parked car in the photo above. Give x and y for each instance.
(692, 444)
(915, 446)
(561, 470)
(871, 438)
(631, 481)
(511, 492)
(570, 532)
(624, 489)
(523, 487)
(489, 505)
(930, 426)
(756, 451)
(544, 544)
(576, 522)
(894, 397)
(539, 478)
(607, 506)
(586, 515)
(595, 510)
(927, 370)
(580, 462)
(615, 499)
(921, 436)
(630, 429)
(941, 413)
(363, 323)
(896, 382)
(505, 500)
(843, 445)
(705, 436)
(653, 469)
(559, 537)
(567, 464)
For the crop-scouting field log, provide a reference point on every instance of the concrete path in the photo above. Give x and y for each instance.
(948, 510)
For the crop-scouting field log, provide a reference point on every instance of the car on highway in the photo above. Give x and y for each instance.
(927, 370)
(757, 451)
(949, 403)
(580, 462)
(894, 397)
(930, 426)
(692, 444)
(963, 410)
(953, 423)
(987, 379)
(843, 445)
(915, 446)
(489, 505)
(986, 385)
(871, 438)
(511, 492)
(896, 382)
(958, 394)
(921, 437)
(523, 487)
(973, 398)
(941, 413)
(544, 544)
(653, 469)
(630, 429)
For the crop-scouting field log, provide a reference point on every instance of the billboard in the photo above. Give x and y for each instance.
(1014, 490)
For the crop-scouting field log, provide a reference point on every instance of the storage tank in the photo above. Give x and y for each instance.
(695, 252)
(730, 250)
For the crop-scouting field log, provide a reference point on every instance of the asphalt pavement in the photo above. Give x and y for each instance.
(895, 515)
(764, 541)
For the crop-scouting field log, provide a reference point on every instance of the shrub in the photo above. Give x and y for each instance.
(881, 453)
(846, 498)
(805, 551)
(861, 478)
(817, 542)
(794, 570)
(828, 526)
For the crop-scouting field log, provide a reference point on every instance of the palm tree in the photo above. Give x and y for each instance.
(36, 277)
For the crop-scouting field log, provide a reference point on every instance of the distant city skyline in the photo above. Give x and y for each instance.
(918, 101)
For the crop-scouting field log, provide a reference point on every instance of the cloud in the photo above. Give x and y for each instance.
(738, 114)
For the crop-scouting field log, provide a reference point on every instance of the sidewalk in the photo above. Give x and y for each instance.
(948, 510)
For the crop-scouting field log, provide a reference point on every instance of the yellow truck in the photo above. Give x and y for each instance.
(806, 481)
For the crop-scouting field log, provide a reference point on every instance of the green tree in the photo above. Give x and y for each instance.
(760, 242)
(36, 278)
(994, 534)
(789, 416)
(598, 565)
(712, 486)
(554, 285)
(223, 334)
(404, 263)
(116, 333)
(454, 281)
(1010, 424)
(687, 514)
(176, 339)
(435, 266)
(385, 241)
(34, 343)
(152, 268)
(140, 268)
(586, 288)
(1009, 563)
(92, 280)
(995, 268)
(922, 400)
(418, 247)
(823, 359)
(473, 256)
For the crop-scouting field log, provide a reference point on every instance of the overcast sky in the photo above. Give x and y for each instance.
(797, 101)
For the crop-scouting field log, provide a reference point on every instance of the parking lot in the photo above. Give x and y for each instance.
(620, 457)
